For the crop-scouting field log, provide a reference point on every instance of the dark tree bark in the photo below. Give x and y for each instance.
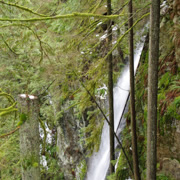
(29, 137)
(132, 97)
(152, 89)
(110, 88)
(120, 51)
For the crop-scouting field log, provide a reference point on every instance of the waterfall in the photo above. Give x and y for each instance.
(99, 162)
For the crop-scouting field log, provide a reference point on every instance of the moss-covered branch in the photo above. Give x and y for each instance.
(4, 111)
(8, 108)
(8, 96)
(22, 8)
(8, 112)
(73, 15)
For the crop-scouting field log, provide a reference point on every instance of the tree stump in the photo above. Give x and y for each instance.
(29, 137)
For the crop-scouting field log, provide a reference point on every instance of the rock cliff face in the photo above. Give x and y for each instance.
(174, 12)
(69, 149)
(168, 151)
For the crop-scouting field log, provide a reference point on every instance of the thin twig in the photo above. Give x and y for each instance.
(40, 95)
(8, 46)
(11, 132)
(35, 34)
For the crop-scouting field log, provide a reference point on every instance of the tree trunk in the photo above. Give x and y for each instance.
(132, 97)
(152, 89)
(29, 137)
(110, 88)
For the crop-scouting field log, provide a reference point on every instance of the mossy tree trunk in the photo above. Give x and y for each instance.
(132, 97)
(152, 89)
(29, 137)
(110, 88)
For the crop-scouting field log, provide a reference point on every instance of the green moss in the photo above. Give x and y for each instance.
(83, 170)
(29, 161)
(164, 81)
(22, 118)
(122, 171)
(163, 177)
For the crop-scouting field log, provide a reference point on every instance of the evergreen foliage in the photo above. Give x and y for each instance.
(42, 44)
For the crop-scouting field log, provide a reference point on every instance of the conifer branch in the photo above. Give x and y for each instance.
(96, 6)
(23, 8)
(126, 3)
(35, 34)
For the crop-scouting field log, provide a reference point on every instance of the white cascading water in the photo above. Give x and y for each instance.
(99, 162)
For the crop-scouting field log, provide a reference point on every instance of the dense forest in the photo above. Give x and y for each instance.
(60, 64)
